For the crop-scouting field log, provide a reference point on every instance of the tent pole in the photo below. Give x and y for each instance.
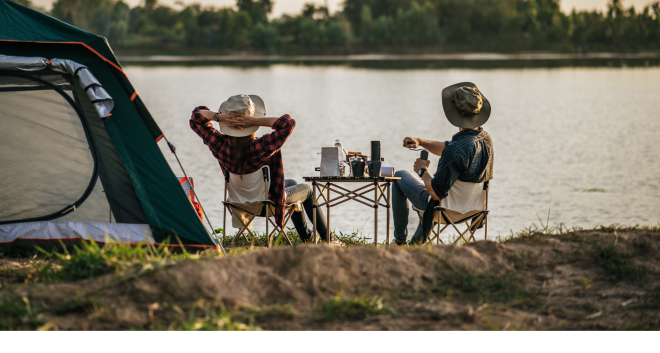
(213, 239)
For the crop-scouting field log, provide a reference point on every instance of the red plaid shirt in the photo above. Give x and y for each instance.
(264, 150)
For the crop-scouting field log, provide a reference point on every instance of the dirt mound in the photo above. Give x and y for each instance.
(576, 281)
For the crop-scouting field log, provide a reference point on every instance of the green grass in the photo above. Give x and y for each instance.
(466, 286)
(616, 264)
(353, 308)
(90, 260)
(24, 313)
(348, 239)
(210, 316)
(644, 327)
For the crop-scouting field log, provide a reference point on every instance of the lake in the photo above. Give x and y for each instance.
(579, 143)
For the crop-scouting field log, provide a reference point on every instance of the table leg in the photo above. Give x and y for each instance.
(387, 186)
(316, 239)
(376, 213)
(327, 185)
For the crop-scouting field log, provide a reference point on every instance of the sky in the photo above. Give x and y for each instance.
(295, 6)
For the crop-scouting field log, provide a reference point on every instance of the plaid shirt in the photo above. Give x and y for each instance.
(468, 157)
(265, 150)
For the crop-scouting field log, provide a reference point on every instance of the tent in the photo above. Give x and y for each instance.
(79, 155)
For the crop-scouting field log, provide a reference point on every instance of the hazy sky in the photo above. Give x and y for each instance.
(294, 6)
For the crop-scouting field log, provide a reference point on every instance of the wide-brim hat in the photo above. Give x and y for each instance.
(240, 102)
(460, 102)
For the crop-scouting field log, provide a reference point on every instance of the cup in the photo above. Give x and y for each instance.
(374, 168)
(357, 168)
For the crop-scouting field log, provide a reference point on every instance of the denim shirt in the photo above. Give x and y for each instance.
(467, 157)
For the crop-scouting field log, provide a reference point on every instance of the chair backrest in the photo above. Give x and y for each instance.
(464, 197)
(248, 187)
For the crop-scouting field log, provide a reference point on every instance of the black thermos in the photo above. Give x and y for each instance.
(424, 155)
(374, 166)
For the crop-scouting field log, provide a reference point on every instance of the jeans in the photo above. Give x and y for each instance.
(303, 192)
(412, 188)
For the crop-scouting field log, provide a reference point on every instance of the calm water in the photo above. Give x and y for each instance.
(580, 142)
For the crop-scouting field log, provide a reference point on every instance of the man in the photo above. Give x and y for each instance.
(466, 161)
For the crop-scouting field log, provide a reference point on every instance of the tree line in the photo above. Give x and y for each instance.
(408, 26)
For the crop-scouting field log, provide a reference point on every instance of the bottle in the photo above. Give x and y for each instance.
(341, 157)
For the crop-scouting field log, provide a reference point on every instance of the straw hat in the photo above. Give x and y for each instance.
(250, 105)
(465, 106)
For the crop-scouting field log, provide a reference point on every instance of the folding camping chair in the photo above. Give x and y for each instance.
(246, 197)
(478, 218)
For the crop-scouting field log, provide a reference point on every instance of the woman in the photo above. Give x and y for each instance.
(239, 151)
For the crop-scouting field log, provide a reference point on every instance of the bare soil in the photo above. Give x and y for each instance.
(577, 281)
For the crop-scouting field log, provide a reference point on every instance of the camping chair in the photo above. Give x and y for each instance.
(478, 219)
(246, 197)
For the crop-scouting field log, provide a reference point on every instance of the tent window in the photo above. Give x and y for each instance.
(47, 159)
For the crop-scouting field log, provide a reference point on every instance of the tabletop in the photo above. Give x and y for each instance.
(349, 179)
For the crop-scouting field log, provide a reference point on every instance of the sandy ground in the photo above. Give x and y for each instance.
(577, 281)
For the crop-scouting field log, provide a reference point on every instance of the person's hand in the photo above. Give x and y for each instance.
(421, 163)
(233, 121)
(410, 142)
(247, 120)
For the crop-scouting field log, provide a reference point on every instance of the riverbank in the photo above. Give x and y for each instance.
(607, 278)
(387, 57)
(390, 61)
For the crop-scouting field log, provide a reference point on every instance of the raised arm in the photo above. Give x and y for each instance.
(203, 127)
(435, 147)
(272, 142)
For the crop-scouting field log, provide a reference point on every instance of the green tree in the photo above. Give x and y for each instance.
(118, 24)
(263, 36)
(257, 9)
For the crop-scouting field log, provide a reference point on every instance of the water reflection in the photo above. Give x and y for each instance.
(581, 142)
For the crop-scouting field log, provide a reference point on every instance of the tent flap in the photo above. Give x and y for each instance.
(102, 101)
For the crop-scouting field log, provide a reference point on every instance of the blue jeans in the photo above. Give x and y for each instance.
(303, 192)
(412, 188)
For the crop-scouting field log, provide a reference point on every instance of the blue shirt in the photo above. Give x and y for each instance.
(467, 157)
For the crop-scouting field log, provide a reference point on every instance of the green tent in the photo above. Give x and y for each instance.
(78, 147)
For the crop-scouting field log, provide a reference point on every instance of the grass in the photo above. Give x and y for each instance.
(209, 316)
(349, 239)
(616, 264)
(645, 327)
(471, 287)
(353, 308)
(23, 313)
(90, 260)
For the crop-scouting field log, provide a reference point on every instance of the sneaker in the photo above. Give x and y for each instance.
(397, 243)
(336, 242)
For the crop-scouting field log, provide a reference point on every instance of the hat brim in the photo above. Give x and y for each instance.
(259, 112)
(454, 115)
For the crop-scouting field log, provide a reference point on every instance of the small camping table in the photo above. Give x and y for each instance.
(380, 186)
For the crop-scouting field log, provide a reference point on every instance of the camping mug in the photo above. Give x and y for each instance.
(374, 168)
(357, 167)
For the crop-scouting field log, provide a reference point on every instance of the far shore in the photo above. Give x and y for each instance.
(387, 57)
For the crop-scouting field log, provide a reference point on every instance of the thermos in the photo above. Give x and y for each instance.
(374, 166)
(424, 155)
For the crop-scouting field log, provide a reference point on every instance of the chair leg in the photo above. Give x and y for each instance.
(241, 232)
(280, 230)
(460, 234)
(473, 227)
(440, 232)
(238, 235)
